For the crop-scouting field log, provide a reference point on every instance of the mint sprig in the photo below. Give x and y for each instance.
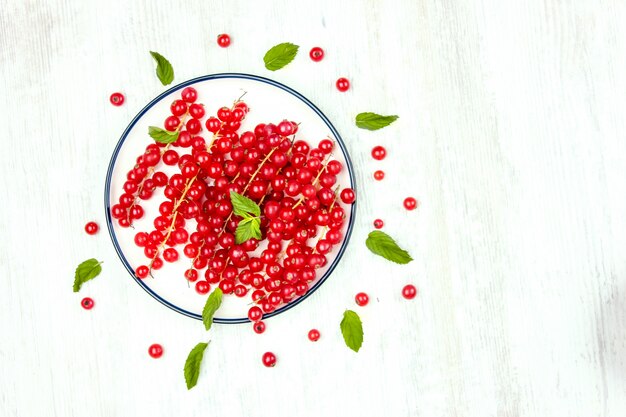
(86, 271)
(250, 224)
(212, 304)
(380, 243)
(164, 69)
(352, 330)
(162, 135)
(192, 364)
(373, 121)
(280, 55)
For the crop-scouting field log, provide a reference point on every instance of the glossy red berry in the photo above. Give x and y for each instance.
(189, 94)
(91, 228)
(347, 195)
(379, 153)
(87, 303)
(410, 203)
(255, 314)
(361, 299)
(342, 84)
(314, 335)
(117, 99)
(142, 271)
(259, 327)
(155, 351)
(316, 54)
(269, 359)
(223, 40)
(203, 287)
(170, 255)
(378, 224)
(178, 107)
(379, 175)
(409, 291)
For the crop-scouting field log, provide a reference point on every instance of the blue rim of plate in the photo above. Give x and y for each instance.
(107, 194)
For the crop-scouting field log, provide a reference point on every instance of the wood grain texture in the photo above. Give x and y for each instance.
(511, 135)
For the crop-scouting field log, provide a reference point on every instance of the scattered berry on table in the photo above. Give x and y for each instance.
(409, 291)
(155, 350)
(379, 153)
(259, 327)
(379, 175)
(269, 359)
(314, 335)
(91, 228)
(361, 299)
(117, 99)
(410, 203)
(342, 84)
(378, 224)
(316, 54)
(87, 303)
(223, 40)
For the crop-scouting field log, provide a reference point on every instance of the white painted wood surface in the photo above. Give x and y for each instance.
(511, 135)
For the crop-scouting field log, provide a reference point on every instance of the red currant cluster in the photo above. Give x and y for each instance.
(294, 185)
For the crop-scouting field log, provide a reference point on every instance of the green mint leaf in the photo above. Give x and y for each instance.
(243, 205)
(373, 121)
(383, 245)
(352, 330)
(280, 55)
(212, 304)
(162, 135)
(248, 228)
(86, 271)
(164, 69)
(192, 364)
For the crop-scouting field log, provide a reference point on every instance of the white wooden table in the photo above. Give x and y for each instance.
(511, 135)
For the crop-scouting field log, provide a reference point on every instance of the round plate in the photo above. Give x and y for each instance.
(269, 101)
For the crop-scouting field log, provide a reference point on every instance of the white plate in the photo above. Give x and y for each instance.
(269, 101)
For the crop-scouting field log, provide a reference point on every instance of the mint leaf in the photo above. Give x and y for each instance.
(352, 330)
(373, 121)
(280, 55)
(86, 271)
(383, 245)
(192, 364)
(164, 69)
(162, 135)
(248, 228)
(212, 304)
(243, 205)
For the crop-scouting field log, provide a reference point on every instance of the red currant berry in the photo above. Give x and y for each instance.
(189, 94)
(191, 275)
(326, 146)
(155, 350)
(342, 84)
(170, 255)
(203, 287)
(178, 107)
(379, 153)
(91, 228)
(316, 54)
(142, 271)
(409, 292)
(196, 111)
(259, 327)
(213, 124)
(87, 303)
(269, 359)
(314, 335)
(378, 223)
(223, 40)
(117, 99)
(410, 203)
(255, 314)
(157, 263)
(347, 195)
(171, 123)
(379, 175)
(361, 299)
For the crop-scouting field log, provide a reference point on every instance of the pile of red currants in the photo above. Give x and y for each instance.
(294, 185)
